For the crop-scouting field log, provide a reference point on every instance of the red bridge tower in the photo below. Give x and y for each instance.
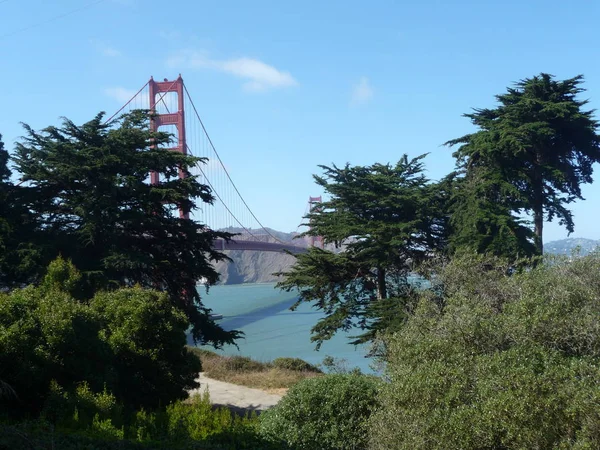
(313, 205)
(157, 90)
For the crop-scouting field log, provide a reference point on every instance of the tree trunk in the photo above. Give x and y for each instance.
(381, 286)
(538, 204)
(538, 221)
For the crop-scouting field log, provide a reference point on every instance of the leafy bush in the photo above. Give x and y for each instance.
(147, 337)
(131, 340)
(243, 364)
(296, 364)
(45, 335)
(190, 425)
(328, 412)
(497, 361)
(80, 406)
(338, 365)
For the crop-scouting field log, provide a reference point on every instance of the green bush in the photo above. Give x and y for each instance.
(328, 412)
(147, 337)
(242, 364)
(130, 340)
(79, 407)
(296, 364)
(46, 335)
(498, 361)
(182, 425)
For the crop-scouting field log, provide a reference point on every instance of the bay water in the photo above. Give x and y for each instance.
(271, 330)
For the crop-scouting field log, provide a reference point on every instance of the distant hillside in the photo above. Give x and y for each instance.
(567, 246)
(257, 267)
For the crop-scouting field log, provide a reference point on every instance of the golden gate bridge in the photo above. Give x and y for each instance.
(173, 111)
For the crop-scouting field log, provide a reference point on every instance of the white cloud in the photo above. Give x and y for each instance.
(123, 95)
(259, 76)
(105, 49)
(362, 92)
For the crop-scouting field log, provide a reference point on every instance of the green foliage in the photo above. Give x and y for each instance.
(242, 364)
(191, 425)
(130, 340)
(328, 412)
(147, 337)
(386, 219)
(16, 262)
(539, 144)
(86, 197)
(79, 406)
(339, 365)
(498, 361)
(45, 336)
(296, 364)
(197, 422)
(482, 207)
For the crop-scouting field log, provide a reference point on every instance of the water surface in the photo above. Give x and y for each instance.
(271, 329)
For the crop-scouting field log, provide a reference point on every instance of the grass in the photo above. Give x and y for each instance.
(274, 377)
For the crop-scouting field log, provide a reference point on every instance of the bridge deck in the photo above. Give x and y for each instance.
(222, 244)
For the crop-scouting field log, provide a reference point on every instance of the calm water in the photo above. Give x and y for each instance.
(271, 329)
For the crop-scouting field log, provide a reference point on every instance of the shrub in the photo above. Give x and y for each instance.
(328, 412)
(338, 365)
(242, 364)
(147, 337)
(182, 425)
(295, 364)
(498, 361)
(46, 335)
(79, 407)
(131, 340)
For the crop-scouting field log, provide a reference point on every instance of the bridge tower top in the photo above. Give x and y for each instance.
(313, 205)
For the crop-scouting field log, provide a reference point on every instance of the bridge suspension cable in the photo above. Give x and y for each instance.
(230, 211)
(227, 173)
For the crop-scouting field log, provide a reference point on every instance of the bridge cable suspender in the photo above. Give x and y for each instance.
(225, 169)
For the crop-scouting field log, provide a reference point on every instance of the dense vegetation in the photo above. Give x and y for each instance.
(84, 194)
(497, 361)
(485, 344)
(527, 160)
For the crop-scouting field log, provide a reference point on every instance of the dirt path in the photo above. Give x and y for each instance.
(235, 397)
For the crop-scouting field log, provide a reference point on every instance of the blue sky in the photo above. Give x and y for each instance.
(285, 86)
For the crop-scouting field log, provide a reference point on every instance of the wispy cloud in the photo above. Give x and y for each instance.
(362, 92)
(123, 95)
(259, 76)
(105, 49)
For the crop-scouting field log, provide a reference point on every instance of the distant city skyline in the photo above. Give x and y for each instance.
(284, 87)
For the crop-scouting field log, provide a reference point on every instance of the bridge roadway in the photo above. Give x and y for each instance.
(232, 244)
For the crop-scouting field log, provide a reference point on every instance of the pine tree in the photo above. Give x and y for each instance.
(542, 142)
(87, 189)
(384, 220)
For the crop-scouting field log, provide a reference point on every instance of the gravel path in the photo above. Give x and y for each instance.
(237, 398)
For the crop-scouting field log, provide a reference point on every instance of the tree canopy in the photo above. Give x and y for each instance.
(383, 219)
(87, 195)
(541, 141)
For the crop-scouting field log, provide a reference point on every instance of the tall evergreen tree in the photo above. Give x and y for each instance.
(384, 220)
(483, 211)
(87, 189)
(543, 142)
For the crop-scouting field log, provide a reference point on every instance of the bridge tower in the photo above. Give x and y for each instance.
(313, 205)
(157, 90)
